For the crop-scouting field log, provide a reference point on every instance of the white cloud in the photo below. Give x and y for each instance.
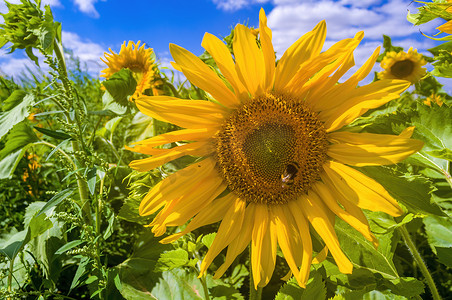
(87, 7)
(88, 52)
(232, 5)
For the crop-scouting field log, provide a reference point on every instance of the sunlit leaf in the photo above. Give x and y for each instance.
(171, 260)
(16, 109)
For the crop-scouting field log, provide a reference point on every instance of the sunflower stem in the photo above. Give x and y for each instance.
(420, 262)
(204, 286)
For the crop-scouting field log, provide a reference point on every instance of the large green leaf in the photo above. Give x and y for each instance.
(434, 130)
(315, 289)
(121, 85)
(363, 254)
(20, 136)
(137, 273)
(16, 109)
(178, 284)
(413, 192)
(439, 233)
(171, 260)
(10, 162)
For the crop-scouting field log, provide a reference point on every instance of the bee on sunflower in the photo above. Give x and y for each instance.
(275, 154)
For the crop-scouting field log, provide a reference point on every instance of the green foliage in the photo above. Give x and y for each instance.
(15, 109)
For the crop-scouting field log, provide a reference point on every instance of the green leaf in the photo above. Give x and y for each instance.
(222, 292)
(171, 260)
(315, 289)
(434, 132)
(91, 179)
(414, 192)
(362, 253)
(443, 154)
(18, 107)
(407, 286)
(19, 137)
(110, 104)
(439, 231)
(137, 273)
(178, 284)
(207, 240)
(68, 246)
(121, 85)
(444, 256)
(10, 162)
(140, 128)
(11, 247)
(55, 200)
(81, 270)
(59, 135)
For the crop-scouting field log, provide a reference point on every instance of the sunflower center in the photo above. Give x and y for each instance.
(271, 149)
(403, 68)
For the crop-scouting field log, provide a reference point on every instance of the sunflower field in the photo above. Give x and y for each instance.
(239, 174)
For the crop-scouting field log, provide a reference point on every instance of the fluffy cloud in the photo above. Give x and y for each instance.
(232, 5)
(87, 7)
(88, 52)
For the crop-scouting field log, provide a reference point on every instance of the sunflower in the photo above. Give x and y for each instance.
(275, 157)
(138, 60)
(434, 98)
(402, 65)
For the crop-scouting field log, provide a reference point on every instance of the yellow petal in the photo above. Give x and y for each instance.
(316, 214)
(322, 82)
(303, 229)
(306, 47)
(229, 229)
(360, 189)
(173, 136)
(360, 225)
(167, 155)
(320, 64)
(267, 50)
(369, 149)
(179, 211)
(223, 59)
(184, 179)
(446, 27)
(321, 256)
(203, 76)
(263, 246)
(212, 213)
(183, 113)
(249, 60)
(360, 101)
(240, 242)
(324, 95)
(288, 236)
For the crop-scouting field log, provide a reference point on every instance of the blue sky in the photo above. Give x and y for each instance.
(90, 27)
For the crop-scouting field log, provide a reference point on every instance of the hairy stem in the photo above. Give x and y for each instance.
(420, 262)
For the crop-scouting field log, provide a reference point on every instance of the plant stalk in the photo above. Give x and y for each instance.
(10, 276)
(204, 286)
(420, 262)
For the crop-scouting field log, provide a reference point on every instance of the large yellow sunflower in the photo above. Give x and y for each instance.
(274, 141)
(138, 60)
(403, 65)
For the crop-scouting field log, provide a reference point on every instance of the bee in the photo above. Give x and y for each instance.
(287, 178)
